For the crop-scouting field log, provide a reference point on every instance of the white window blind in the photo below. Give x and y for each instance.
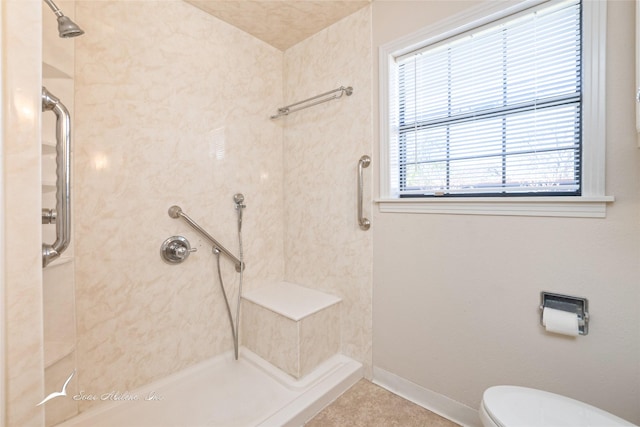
(494, 111)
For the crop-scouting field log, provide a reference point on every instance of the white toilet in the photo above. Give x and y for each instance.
(511, 406)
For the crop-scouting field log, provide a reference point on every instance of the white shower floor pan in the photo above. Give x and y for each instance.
(222, 392)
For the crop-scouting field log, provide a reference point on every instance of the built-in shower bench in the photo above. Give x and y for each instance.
(292, 327)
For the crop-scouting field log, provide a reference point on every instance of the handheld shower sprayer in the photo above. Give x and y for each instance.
(66, 27)
(238, 198)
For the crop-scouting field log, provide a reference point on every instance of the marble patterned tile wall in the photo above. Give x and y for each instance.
(172, 107)
(324, 247)
(23, 385)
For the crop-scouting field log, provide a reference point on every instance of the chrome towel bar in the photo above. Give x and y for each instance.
(176, 212)
(285, 111)
(62, 213)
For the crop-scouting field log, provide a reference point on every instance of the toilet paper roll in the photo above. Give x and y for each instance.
(560, 322)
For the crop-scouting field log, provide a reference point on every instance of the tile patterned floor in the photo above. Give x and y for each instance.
(368, 405)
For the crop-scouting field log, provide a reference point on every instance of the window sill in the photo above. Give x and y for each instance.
(576, 207)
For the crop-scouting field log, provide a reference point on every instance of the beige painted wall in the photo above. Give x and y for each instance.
(22, 313)
(456, 296)
(172, 107)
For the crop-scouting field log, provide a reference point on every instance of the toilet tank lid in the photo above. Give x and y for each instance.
(522, 406)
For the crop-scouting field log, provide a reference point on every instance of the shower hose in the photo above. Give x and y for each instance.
(234, 326)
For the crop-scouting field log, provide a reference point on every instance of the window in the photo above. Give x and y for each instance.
(498, 109)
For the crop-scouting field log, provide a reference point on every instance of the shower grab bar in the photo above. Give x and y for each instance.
(364, 162)
(62, 213)
(285, 111)
(176, 212)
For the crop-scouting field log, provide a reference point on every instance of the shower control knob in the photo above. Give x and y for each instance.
(176, 249)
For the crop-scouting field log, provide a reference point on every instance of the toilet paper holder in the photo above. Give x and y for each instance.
(577, 305)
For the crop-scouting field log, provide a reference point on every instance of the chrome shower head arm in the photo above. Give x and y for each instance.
(53, 7)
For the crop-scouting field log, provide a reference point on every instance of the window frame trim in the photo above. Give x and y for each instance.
(592, 202)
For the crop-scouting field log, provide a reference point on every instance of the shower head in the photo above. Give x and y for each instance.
(238, 198)
(66, 27)
(175, 211)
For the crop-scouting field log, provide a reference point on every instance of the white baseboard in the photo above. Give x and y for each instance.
(434, 402)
